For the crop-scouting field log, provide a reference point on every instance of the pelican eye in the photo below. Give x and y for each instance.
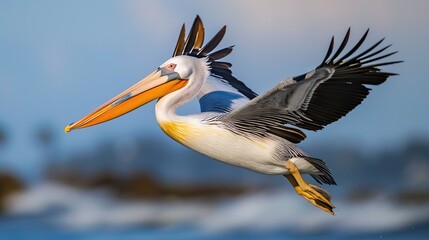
(170, 66)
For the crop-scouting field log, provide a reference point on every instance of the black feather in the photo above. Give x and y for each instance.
(356, 47)
(190, 41)
(221, 53)
(328, 53)
(219, 69)
(325, 176)
(341, 48)
(178, 50)
(212, 44)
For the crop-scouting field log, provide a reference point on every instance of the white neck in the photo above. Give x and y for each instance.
(166, 107)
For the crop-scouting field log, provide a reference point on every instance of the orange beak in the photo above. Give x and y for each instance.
(152, 87)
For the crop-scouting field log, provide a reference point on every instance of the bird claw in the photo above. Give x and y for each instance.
(314, 194)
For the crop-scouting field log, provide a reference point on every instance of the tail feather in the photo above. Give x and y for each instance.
(325, 176)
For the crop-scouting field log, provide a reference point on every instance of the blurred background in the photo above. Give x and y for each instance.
(126, 180)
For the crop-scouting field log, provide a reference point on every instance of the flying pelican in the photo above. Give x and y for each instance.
(238, 127)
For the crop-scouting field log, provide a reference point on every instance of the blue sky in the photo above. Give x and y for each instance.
(59, 60)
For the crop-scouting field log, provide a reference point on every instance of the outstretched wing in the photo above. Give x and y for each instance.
(318, 98)
(222, 92)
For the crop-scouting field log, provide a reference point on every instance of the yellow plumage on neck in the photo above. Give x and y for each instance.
(182, 132)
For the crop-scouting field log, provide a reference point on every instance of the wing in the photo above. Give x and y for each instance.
(318, 98)
(222, 92)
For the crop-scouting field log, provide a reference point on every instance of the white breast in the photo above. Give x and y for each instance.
(257, 154)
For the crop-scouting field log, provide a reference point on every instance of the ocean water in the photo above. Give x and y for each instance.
(52, 211)
(23, 229)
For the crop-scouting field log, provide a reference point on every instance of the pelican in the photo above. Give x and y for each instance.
(238, 127)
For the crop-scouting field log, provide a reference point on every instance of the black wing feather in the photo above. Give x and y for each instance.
(342, 46)
(356, 47)
(316, 99)
(330, 49)
(345, 89)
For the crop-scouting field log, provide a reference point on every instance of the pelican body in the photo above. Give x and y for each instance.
(238, 127)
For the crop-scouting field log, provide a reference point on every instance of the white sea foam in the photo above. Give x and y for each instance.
(269, 210)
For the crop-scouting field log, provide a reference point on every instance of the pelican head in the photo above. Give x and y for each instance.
(169, 77)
